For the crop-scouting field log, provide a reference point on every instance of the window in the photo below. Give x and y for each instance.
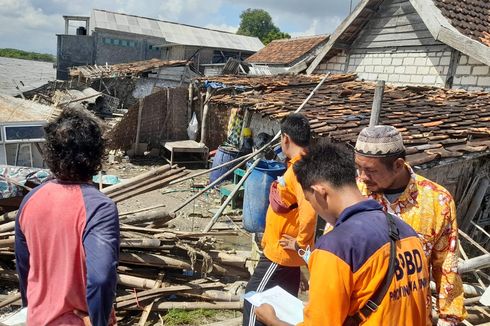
(16, 133)
(115, 41)
(124, 43)
(132, 44)
(107, 40)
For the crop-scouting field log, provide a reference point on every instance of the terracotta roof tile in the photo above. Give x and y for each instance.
(435, 123)
(286, 51)
(470, 17)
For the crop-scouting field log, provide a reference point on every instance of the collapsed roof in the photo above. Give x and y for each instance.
(436, 123)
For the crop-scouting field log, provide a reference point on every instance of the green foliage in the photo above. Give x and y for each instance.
(19, 54)
(258, 23)
(176, 317)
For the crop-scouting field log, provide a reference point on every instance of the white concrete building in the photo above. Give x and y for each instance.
(444, 43)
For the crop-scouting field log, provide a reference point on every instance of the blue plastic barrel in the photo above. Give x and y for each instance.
(223, 155)
(256, 197)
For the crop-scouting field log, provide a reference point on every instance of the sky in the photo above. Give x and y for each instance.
(32, 25)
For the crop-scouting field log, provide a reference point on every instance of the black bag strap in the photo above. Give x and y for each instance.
(375, 300)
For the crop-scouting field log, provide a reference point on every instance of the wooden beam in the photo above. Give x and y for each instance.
(474, 264)
(377, 103)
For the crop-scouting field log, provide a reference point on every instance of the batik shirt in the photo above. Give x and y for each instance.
(430, 210)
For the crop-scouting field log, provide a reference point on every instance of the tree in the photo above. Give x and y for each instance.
(258, 23)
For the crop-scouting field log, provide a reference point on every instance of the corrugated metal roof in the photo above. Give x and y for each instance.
(173, 32)
(14, 109)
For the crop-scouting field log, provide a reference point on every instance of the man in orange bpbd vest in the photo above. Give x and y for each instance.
(290, 222)
(370, 269)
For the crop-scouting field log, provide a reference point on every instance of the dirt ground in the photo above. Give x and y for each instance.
(195, 216)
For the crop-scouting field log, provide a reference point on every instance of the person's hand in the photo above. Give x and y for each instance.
(266, 314)
(288, 242)
(83, 316)
(304, 284)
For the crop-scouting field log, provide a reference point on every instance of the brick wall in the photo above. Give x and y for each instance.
(472, 75)
(218, 119)
(163, 117)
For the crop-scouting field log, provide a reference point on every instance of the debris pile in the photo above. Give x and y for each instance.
(160, 268)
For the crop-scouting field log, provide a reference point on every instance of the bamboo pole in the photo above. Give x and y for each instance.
(145, 183)
(137, 179)
(160, 215)
(140, 244)
(135, 281)
(230, 197)
(10, 299)
(473, 242)
(131, 299)
(377, 103)
(212, 184)
(164, 306)
(474, 264)
(142, 210)
(469, 289)
(152, 186)
(153, 260)
(204, 120)
(7, 227)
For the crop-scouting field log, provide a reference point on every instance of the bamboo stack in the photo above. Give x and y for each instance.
(162, 269)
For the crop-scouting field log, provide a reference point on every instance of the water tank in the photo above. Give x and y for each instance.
(256, 197)
(223, 155)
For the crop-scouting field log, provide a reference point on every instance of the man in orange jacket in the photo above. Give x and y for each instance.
(367, 250)
(290, 222)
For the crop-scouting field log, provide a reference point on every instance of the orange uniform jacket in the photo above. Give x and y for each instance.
(299, 222)
(351, 261)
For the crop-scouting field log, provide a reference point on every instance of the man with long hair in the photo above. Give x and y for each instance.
(67, 231)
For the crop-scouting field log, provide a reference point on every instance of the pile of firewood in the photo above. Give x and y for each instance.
(159, 268)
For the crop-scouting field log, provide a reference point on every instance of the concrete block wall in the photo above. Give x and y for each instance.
(414, 66)
(336, 64)
(73, 50)
(471, 75)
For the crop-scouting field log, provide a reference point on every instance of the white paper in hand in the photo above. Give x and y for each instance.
(288, 308)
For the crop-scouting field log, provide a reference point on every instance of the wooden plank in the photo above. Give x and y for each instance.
(391, 22)
(407, 36)
(395, 43)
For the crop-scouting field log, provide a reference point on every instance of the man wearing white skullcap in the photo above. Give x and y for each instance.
(384, 175)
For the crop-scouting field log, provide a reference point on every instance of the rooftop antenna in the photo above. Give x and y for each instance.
(350, 8)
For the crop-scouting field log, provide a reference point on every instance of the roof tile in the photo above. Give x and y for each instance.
(286, 51)
(435, 122)
(470, 17)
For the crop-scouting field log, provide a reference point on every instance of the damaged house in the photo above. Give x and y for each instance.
(444, 43)
(110, 38)
(446, 132)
